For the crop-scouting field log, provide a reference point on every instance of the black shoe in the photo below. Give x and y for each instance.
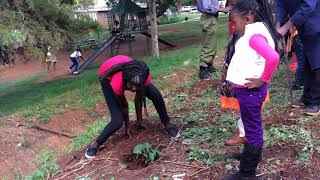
(312, 110)
(236, 156)
(172, 131)
(296, 87)
(240, 176)
(211, 69)
(204, 73)
(300, 104)
(91, 151)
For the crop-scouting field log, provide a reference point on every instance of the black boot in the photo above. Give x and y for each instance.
(211, 69)
(206, 72)
(250, 158)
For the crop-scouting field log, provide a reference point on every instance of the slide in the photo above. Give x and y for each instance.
(94, 56)
(160, 39)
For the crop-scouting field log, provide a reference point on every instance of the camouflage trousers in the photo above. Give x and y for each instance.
(209, 26)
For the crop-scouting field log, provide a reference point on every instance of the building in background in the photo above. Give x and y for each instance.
(98, 12)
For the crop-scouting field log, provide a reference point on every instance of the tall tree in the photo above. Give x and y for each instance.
(178, 5)
(154, 28)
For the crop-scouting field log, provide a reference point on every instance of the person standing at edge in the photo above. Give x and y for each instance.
(209, 24)
(305, 15)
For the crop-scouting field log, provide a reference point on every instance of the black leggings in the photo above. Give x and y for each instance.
(113, 102)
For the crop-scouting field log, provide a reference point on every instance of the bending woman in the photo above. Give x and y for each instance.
(118, 74)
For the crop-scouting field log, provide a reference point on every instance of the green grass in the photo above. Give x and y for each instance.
(88, 134)
(28, 93)
(190, 16)
(167, 20)
(192, 29)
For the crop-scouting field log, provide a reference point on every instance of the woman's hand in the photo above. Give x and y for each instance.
(253, 83)
(225, 10)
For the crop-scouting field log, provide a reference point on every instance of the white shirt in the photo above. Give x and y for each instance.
(246, 62)
(75, 54)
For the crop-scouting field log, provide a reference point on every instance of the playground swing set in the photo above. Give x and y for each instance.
(125, 20)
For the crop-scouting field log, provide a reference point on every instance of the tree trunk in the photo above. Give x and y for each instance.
(154, 29)
(178, 5)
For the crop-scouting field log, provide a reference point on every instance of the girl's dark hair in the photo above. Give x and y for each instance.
(135, 72)
(262, 12)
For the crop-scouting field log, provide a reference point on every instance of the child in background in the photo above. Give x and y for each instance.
(250, 70)
(115, 27)
(4, 57)
(50, 57)
(74, 58)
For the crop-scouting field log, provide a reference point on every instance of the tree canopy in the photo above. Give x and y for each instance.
(31, 24)
(162, 5)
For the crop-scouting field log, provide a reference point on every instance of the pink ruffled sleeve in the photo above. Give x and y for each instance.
(259, 43)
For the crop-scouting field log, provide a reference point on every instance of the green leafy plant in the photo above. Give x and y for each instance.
(216, 135)
(276, 135)
(308, 143)
(205, 157)
(146, 150)
(180, 97)
(47, 166)
(295, 134)
(195, 117)
(200, 134)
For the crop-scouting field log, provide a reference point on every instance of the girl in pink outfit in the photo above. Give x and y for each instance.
(250, 70)
(118, 74)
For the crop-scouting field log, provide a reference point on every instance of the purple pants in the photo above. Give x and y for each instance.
(250, 101)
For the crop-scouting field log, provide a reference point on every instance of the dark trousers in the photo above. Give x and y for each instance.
(113, 103)
(311, 91)
(298, 49)
(250, 101)
(74, 64)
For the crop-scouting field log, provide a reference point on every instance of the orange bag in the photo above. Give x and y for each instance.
(233, 104)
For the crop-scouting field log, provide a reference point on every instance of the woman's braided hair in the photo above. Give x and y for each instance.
(135, 72)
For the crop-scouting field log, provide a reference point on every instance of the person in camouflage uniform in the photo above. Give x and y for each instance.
(209, 25)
